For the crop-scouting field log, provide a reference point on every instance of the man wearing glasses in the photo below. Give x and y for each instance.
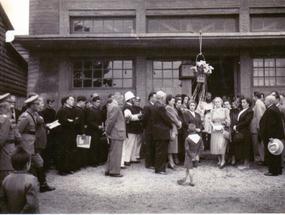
(27, 125)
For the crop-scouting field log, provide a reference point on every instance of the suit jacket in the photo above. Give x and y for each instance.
(258, 110)
(244, 121)
(20, 194)
(176, 121)
(195, 120)
(271, 125)
(115, 123)
(161, 123)
(147, 119)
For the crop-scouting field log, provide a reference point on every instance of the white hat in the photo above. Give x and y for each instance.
(161, 94)
(275, 146)
(4, 96)
(31, 99)
(129, 95)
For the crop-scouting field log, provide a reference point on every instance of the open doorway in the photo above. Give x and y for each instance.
(221, 81)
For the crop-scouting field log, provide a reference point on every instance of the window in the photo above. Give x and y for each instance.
(268, 72)
(166, 76)
(267, 23)
(192, 24)
(102, 25)
(103, 73)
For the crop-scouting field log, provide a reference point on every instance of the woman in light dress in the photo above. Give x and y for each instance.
(220, 119)
(176, 124)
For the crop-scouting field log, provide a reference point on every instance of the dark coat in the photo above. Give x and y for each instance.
(195, 120)
(94, 119)
(49, 115)
(161, 123)
(271, 124)
(80, 115)
(243, 147)
(147, 120)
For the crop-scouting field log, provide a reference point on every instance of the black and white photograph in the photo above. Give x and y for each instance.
(142, 106)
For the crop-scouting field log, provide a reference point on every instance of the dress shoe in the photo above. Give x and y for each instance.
(115, 175)
(161, 173)
(123, 167)
(63, 173)
(127, 163)
(191, 184)
(46, 188)
(107, 173)
(149, 167)
(270, 174)
(181, 181)
(135, 161)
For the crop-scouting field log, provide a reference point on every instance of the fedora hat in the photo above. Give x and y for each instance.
(275, 146)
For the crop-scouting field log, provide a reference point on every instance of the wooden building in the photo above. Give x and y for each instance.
(13, 68)
(83, 46)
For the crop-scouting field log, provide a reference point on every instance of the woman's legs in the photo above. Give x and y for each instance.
(171, 161)
(191, 176)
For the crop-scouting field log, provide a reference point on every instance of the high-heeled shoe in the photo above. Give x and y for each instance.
(222, 166)
(171, 167)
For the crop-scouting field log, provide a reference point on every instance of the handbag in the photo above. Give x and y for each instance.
(83, 141)
(226, 134)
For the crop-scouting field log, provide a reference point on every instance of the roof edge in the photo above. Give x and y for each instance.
(6, 18)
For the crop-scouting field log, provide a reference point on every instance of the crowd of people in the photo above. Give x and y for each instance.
(168, 131)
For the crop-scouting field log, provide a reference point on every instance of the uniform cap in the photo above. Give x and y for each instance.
(4, 96)
(31, 99)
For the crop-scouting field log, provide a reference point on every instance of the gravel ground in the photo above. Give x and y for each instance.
(141, 191)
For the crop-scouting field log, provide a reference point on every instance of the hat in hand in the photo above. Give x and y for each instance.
(275, 146)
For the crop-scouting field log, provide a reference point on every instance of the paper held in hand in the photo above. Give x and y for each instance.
(83, 141)
(53, 124)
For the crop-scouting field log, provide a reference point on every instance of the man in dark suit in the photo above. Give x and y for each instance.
(161, 132)
(271, 127)
(147, 125)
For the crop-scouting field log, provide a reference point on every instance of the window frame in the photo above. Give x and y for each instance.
(264, 69)
(103, 19)
(102, 59)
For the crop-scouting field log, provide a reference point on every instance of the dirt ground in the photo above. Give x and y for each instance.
(229, 190)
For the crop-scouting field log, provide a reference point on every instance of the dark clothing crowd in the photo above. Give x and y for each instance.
(166, 132)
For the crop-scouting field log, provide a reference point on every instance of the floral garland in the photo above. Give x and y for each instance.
(202, 67)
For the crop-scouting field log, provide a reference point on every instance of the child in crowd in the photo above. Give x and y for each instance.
(193, 146)
(19, 192)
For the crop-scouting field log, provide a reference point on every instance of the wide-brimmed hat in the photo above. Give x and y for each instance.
(4, 96)
(275, 146)
(31, 99)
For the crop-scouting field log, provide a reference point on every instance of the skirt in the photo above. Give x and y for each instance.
(218, 143)
(173, 146)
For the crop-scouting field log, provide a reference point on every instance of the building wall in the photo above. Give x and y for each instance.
(53, 17)
(13, 69)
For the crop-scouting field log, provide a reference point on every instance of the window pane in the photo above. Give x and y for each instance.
(269, 81)
(128, 83)
(77, 83)
(128, 64)
(98, 26)
(167, 73)
(269, 62)
(167, 65)
(117, 64)
(280, 81)
(87, 25)
(255, 82)
(128, 73)
(107, 82)
(280, 71)
(128, 26)
(87, 74)
(97, 73)
(280, 62)
(77, 25)
(258, 62)
(269, 71)
(117, 83)
(118, 26)
(88, 65)
(77, 74)
(97, 83)
(268, 23)
(157, 74)
(157, 65)
(87, 83)
(108, 26)
(117, 73)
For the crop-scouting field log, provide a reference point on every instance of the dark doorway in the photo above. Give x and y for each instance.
(221, 81)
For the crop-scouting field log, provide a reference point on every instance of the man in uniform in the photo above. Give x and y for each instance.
(7, 137)
(27, 125)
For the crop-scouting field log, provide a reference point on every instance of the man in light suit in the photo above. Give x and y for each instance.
(116, 133)
(258, 110)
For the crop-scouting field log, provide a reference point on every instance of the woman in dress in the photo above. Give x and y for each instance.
(176, 124)
(242, 127)
(220, 119)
